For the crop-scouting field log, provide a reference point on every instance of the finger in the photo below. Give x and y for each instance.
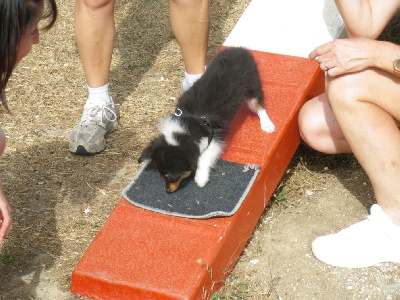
(313, 55)
(334, 72)
(2, 232)
(320, 51)
(5, 228)
(323, 65)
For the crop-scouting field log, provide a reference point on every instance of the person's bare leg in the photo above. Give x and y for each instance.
(190, 25)
(365, 107)
(95, 34)
(319, 128)
(367, 114)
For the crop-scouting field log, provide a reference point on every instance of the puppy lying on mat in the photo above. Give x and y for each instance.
(191, 139)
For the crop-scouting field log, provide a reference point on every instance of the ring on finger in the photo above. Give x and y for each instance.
(326, 65)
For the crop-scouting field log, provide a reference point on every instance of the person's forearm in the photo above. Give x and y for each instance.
(366, 18)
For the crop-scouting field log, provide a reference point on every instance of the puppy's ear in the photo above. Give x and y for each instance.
(148, 152)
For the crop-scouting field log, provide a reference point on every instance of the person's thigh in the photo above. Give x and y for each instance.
(372, 86)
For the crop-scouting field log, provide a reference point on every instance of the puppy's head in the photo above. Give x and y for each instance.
(174, 163)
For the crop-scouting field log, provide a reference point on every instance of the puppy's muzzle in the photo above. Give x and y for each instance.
(171, 187)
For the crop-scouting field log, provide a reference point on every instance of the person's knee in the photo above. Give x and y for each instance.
(2, 141)
(93, 5)
(310, 127)
(318, 127)
(345, 92)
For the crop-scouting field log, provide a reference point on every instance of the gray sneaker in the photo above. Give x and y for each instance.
(88, 136)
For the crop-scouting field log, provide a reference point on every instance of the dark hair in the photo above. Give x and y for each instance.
(15, 18)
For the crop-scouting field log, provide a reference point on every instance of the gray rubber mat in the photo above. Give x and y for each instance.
(222, 196)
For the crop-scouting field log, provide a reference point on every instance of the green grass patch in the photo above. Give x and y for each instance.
(7, 258)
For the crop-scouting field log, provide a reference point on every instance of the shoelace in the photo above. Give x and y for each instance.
(90, 114)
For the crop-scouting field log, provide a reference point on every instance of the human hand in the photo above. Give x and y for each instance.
(5, 218)
(343, 56)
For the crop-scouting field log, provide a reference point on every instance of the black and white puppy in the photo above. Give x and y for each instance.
(192, 139)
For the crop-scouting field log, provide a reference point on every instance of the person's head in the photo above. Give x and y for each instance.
(19, 32)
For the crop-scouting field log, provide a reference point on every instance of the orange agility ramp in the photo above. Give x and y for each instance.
(140, 254)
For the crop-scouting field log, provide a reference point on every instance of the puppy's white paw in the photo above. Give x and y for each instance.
(267, 126)
(202, 177)
(265, 122)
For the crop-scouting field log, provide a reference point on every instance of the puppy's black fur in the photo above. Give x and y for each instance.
(192, 138)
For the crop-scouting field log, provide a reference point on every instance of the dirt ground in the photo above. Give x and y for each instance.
(60, 201)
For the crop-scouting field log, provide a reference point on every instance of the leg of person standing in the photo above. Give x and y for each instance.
(95, 34)
(190, 22)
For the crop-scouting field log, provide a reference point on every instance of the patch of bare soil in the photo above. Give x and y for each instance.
(318, 195)
(60, 201)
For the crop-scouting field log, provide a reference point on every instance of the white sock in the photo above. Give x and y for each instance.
(192, 78)
(98, 96)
